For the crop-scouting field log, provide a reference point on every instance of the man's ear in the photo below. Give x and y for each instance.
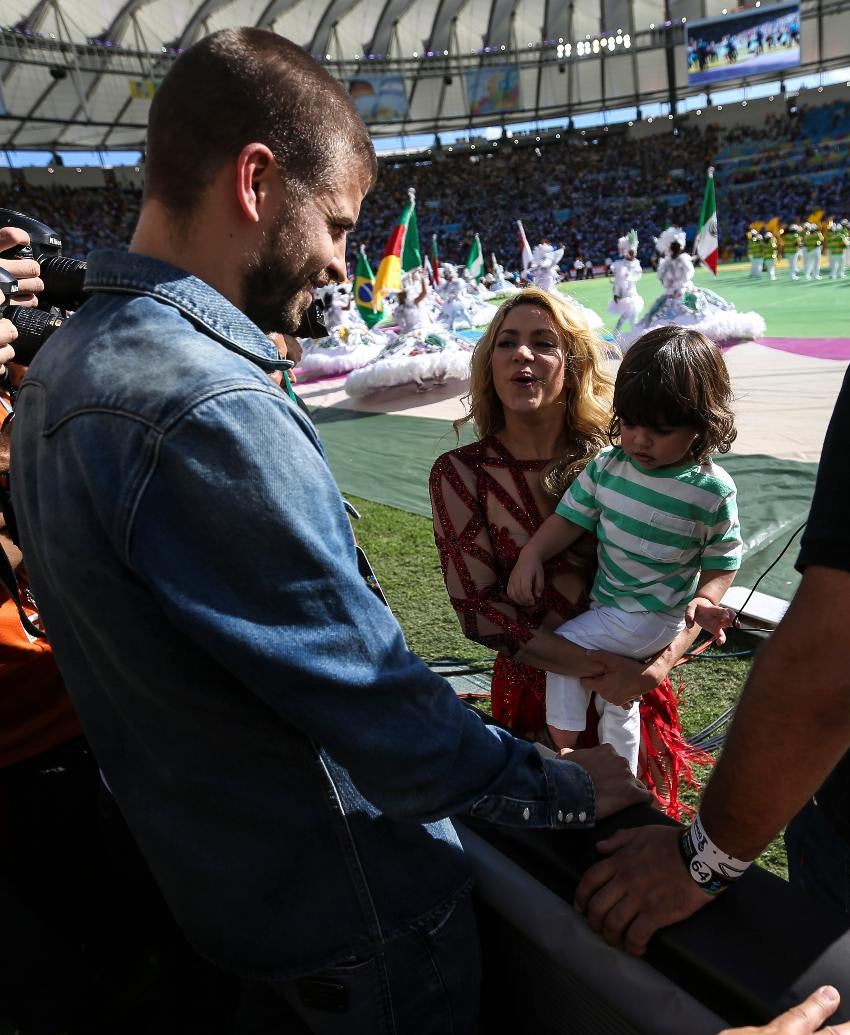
(256, 175)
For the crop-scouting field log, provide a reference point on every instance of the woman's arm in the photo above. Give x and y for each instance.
(625, 680)
(472, 577)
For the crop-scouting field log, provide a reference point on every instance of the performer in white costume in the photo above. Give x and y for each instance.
(461, 308)
(421, 354)
(543, 272)
(349, 343)
(498, 285)
(626, 272)
(689, 306)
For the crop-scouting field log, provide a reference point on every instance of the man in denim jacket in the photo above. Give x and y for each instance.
(285, 763)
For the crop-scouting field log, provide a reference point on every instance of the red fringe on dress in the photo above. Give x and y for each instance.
(666, 761)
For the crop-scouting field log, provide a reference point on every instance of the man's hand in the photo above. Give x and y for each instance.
(8, 333)
(642, 887)
(613, 782)
(26, 271)
(714, 618)
(805, 1019)
(526, 581)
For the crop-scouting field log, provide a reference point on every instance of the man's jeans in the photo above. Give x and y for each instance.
(818, 858)
(426, 982)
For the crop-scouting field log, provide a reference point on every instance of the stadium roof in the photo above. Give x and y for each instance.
(80, 73)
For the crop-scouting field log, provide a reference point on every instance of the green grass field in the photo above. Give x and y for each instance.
(401, 549)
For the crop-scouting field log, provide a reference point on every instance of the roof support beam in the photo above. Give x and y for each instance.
(193, 29)
(392, 11)
(444, 21)
(335, 10)
(273, 10)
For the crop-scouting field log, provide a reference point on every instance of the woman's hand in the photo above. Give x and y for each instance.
(526, 581)
(624, 679)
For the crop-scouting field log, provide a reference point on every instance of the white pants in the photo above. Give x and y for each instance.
(631, 634)
(770, 268)
(836, 265)
(795, 263)
(813, 263)
(756, 266)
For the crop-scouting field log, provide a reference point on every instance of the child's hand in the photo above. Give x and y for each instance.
(714, 618)
(526, 582)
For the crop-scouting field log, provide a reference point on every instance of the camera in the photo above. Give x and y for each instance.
(63, 279)
(63, 276)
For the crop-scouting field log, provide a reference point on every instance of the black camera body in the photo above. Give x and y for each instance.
(63, 284)
(63, 276)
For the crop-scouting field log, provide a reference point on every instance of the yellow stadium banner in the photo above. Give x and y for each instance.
(143, 89)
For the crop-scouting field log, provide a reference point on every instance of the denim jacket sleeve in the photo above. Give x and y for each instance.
(239, 530)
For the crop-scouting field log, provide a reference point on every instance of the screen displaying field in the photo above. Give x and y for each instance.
(745, 43)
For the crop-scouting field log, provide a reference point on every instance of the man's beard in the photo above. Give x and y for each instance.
(273, 282)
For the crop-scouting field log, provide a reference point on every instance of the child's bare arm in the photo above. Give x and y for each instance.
(554, 535)
(705, 609)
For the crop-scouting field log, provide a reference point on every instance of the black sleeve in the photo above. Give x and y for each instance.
(826, 540)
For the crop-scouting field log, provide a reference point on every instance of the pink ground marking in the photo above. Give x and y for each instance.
(816, 348)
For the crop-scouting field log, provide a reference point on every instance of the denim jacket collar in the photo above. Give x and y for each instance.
(120, 272)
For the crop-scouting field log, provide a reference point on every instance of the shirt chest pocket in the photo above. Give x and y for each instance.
(673, 538)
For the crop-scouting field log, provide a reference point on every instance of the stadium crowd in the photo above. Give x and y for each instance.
(581, 192)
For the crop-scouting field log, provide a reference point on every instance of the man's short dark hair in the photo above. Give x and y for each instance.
(239, 86)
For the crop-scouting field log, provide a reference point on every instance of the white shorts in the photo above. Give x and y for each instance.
(632, 634)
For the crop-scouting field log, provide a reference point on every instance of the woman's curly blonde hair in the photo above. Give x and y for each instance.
(588, 386)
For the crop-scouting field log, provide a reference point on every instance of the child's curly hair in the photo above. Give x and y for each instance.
(676, 376)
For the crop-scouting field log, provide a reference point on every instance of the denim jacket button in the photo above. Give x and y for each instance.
(560, 816)
(582, 816)
(526, 812)
(570, 817)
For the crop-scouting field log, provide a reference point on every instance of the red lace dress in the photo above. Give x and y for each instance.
(487, 505)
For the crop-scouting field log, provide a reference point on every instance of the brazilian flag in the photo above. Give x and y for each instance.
(364, 287)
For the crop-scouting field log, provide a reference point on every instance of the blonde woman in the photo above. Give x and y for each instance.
(540, 402)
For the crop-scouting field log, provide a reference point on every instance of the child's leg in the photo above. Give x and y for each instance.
(620, 727)
(628, 634)
(566, 708)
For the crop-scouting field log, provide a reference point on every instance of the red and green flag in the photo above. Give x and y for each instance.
(399, 254)
(706, 243)
(435, 260)
(364, 290)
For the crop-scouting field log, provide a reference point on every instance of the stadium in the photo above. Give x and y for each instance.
(519, 143)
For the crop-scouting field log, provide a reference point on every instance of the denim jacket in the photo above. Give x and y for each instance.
(285, 763)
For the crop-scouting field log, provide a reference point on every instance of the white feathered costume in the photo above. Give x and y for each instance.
(349, 344)
(686, 305)
(626, 272)
(543, 273)
(420, 353)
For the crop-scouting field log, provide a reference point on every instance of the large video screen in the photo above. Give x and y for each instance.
(743, 43)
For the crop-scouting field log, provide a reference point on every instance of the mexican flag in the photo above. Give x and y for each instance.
(524, 246)
(396, 252)
(475, 261)
(435, 260)
(705, 245)
(364, 290)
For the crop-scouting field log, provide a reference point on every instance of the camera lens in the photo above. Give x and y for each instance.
(63, 278)
(34, 328)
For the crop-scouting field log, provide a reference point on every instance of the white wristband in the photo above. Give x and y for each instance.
(709, 866)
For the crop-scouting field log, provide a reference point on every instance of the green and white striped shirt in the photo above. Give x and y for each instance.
(656, 529)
